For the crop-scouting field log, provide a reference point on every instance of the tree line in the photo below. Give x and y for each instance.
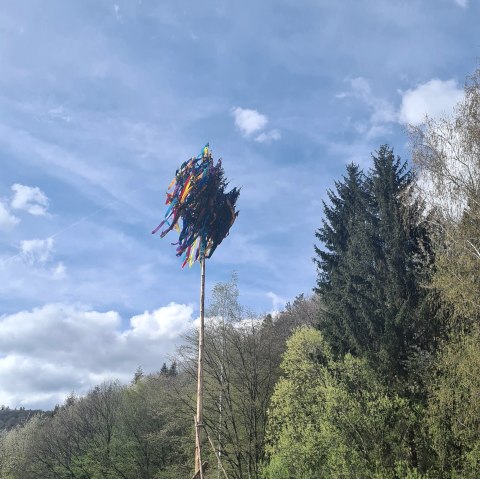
(374, 376)
(144, 430)
(387, 383)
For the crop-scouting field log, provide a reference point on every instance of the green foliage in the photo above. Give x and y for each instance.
(113, 432)
(145, 430)
(335, 419)
(457, 274)
(159, 428)
(454, 408)
(16, 458)
(9, 418)
(446, 154)
(402, 250)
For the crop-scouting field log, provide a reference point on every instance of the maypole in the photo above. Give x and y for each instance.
(201, 348)
(199, 203)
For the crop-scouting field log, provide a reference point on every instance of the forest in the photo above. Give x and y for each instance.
(374, 375)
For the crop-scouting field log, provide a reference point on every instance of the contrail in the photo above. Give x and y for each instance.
(75, 223)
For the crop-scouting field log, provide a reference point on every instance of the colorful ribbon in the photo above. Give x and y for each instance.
(198, 200)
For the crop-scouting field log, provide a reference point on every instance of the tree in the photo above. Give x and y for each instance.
(402, 252)
(370, 277)
(58, 444)
(156, 428)
(346, 218)
(334, 418)
(242, 360)
(18, 452)
(81, 439)
(454, 408)
(114, 432)
(446, 153)
(139, 374)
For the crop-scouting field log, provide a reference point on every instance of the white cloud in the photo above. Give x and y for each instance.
(167, 322)
(58, 348)
(36, 250)
(59, 271)
(278, 303)
(249, 121)
(461, 3)
(266, 136)
(29, 198)
(7, 220)
(434, 98)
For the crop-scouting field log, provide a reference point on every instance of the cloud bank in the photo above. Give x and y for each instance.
(49, 352)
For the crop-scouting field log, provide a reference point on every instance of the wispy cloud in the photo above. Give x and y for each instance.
(461, 3)
(29, 198)
(36, 250)
(278, 303)
(267, 136)
(59, 271)
(434, 98)
(7, 220)
(118, 15)
(59, 113)
(381, 111)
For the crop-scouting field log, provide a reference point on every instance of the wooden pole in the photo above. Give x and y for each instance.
(199, 471)
(201, 347)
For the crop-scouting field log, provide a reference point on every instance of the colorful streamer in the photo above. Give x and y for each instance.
(199, 203)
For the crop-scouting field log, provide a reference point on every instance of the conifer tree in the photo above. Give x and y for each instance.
(399, 237)
(347, 211)
(376, 240)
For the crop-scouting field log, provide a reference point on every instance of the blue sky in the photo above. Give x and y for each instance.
(101, 101)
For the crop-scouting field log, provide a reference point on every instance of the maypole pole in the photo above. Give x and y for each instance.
(206, 212)
(201, 348)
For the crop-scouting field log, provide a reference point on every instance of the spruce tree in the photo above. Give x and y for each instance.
(345, 217)
(397, 239)
(375, 239)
